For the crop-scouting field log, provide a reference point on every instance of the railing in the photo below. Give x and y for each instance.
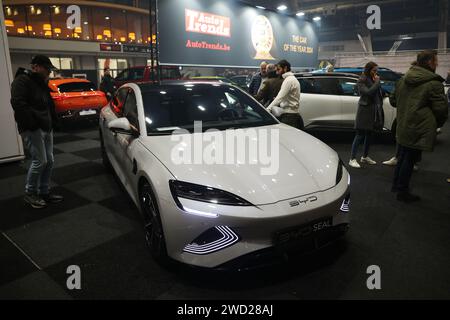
(385, 53)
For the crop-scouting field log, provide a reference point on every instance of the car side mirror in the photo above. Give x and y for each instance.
(123, 126)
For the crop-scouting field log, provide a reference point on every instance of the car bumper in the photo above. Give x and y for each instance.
(256, 228)
(276, 255)
(79, 114)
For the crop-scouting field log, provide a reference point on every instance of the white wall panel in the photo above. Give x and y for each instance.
(10, 142)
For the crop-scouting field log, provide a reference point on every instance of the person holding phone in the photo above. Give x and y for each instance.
(370, 116)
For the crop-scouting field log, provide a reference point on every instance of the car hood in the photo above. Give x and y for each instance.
(305, 164)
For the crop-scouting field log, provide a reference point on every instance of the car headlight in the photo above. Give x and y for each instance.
(201, 193)
(340, 171)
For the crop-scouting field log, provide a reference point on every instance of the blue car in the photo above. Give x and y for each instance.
(387, 76)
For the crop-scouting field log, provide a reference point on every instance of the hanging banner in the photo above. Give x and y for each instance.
(230, 34)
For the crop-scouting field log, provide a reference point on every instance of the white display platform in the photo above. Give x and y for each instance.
(11, 148)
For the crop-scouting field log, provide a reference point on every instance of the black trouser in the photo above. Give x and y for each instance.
(405, 166)
(293, 120)
(361, 136)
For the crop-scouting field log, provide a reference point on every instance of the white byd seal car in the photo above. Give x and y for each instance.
(216, 215)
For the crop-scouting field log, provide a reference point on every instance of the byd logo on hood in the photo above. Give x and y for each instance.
(296, 203)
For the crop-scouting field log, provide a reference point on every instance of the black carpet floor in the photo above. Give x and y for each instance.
(98, 229)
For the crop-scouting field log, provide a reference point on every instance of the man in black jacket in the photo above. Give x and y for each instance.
(35, 115)
(258, 79)
(107, 84)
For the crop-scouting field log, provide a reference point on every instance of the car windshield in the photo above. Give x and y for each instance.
(221, 107)
(170, 73)
(76, 87)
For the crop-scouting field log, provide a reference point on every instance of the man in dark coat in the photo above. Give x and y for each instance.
(107, 84)
(258, 79)
(270, 88)
(35, 115)
(421, 108)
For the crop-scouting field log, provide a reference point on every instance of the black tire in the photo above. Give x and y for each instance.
(105, 158)
(154, 234)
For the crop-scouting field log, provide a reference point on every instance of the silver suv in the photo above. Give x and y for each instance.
(330, 101)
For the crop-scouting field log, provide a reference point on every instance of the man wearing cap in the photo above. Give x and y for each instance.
(107, 84)
(35, 115)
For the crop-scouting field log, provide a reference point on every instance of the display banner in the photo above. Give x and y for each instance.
(231, 34)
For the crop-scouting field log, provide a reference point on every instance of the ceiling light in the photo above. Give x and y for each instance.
(107, 18)
(300, 14)
(282, 7)
(317, 18)
(260, 7)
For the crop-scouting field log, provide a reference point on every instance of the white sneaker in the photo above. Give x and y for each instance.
(354, 164)
(368, 160)
(391, 162)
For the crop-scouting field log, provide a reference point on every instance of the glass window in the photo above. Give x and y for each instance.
(123, 75)
(389, 76)
(15, 18)
(219, 107)
(134, 22)
(59, 23)
(39, 21)
(136, 74)
(77, 87)
(328, 86)
(119, 26)
(62, 63)
(97, 23)
(84, 32)
(130, 110)
(102, 25)
(349, 87)
(115, 65)
(309, 85)
(146, 30)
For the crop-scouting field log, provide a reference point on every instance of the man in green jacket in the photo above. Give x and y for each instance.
(421, 108)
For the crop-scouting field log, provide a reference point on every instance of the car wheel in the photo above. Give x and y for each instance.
(153, 229)
(105, 158)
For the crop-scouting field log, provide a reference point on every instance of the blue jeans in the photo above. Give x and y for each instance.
(40, 145)
(361, 136)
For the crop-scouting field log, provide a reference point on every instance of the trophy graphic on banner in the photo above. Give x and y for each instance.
(262, 38)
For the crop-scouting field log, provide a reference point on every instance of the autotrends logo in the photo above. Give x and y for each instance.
(250, 146)
(207, 23)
